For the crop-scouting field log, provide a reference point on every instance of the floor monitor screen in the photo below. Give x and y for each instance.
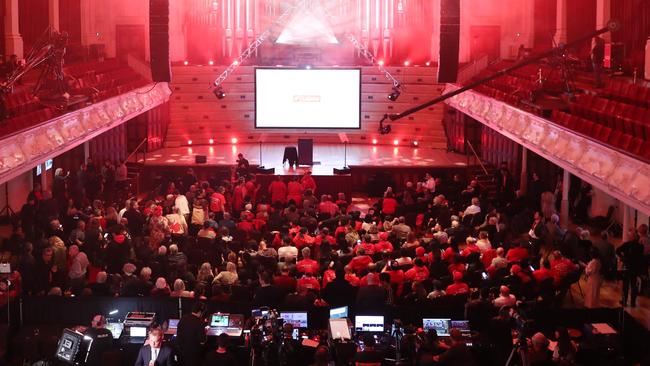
(219, 320)
(462, 325)
(441, 326)
(297, 319)
(339, 329)
(366, 323)
(307, 98)
(115, 328)
(138, 332)
(336, 313)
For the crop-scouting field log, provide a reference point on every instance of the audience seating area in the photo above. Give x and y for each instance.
(617, 115)
(98, 80)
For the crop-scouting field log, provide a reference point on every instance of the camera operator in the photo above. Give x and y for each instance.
(220, 356)
(191, 335)
(102, 340)
(368, 354)
(289, 351)
(458, 353)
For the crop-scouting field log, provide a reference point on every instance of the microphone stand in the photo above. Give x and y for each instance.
(345, 155)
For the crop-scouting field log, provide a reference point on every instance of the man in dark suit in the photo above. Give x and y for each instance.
(154, 352)
(190, 335)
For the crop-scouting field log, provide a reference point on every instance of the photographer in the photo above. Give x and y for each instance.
(289, 352)
(458, 353)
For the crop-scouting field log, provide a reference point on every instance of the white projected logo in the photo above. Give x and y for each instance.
(306, 98)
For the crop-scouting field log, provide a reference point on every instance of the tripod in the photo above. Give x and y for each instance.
(7, 211)
(523, 354)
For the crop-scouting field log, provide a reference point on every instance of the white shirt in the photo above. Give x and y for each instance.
(120, 214)
(472, 210)
(154, 353)
(182, 204)
(484, 245)
(289, 253)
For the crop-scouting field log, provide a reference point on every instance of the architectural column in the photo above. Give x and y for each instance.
(603, 15)
(626, 221)
(53, 13)
(561, 22)
(88, 33)
(86, 151)
(43, 177)
(523, 178)
(13, 39)
(564, 208)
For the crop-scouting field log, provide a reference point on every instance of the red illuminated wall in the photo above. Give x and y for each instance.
(634, 16)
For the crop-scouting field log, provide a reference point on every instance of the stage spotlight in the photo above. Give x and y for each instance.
(211, 141)
(235, 62)
(374, 141)
(407, 62)
(381, 62)
(308, 67)
(113, 312)
(415, 143)
(219, 93)
(394, 95)
(186, 63)
(396, 142)
(210, 62)
(189, 142)
(234, 140)
(428, 63)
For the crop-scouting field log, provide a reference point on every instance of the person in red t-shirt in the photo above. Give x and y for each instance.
(308, 182)
(252, 188)
(218, 203)
(544, 273)
(421, 254)
(366, 245)
(396, 276)
(325, 236)
(418, 273)
(309, 282)
(383, 245)
(285, 281)
(470, 247)
(360, 262)
(516, 254)
(389, 204)
(458, 287)
(326, 206)
(307, 265)
(294, 191)
(278, 190)
(561, 268)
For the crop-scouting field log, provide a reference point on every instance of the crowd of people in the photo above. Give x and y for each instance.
(284, 245)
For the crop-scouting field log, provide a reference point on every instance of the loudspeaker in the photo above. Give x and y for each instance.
(159, 40)
(305, 152)
(200, 159)
(449, 41)
(618, 57)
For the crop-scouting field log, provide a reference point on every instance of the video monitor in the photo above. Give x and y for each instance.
(115, 328)
(462, 325)
(440, 325)
(172, 323)
(297, 319)
(339, 329)
(259, 313)
(336, 313)
(219, 320)
(138, 332)
(369, 323)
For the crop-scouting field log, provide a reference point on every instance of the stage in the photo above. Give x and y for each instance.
(395, 164)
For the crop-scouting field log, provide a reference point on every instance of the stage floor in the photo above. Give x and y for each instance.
(326, 157)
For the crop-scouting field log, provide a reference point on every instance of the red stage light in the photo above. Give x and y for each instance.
(374, 141)
(381, 62)
(396, 142)
(415, 143)
(186, 63)
(211, 141)
(234, 140)
(189, 142)
(235, 62)
(407, 62)
(210, 62)
(428, 63)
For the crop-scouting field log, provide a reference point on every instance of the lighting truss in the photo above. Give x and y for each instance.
(253, 46)
(365, 52)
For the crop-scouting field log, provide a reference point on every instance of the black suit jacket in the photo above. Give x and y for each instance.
(165, 356)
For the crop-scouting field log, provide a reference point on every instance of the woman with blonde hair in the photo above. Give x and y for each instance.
(229, 276)
(205, 273)
(179, 289)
